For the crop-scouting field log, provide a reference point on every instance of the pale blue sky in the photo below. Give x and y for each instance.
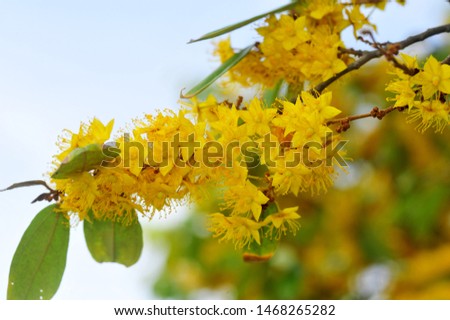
(62, 62)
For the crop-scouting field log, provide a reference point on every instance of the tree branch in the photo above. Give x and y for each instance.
(28, 184)
(49, 196)
(374, 113)
(446, 60)
(388, 47)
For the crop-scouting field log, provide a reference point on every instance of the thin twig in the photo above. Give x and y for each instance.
(374, 113)
(352, 51)
(28, 184)
(370, 55)
(404, 68)
(49, 196)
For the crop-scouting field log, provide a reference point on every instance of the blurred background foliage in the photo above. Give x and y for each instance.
(383, 230)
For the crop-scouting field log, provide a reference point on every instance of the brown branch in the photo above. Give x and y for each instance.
(28, 184)
(374, 113)
(49, 196)
(352, 51)
(370, 55)
(446, 60)
(401, 66)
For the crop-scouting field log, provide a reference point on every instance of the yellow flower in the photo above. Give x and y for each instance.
(358, 19)
(289, 174)
(410, 63)
(405, 95)
(283, 221)
(241, 231)
(327, 67)
(158, 191)
(78, 194)
(306, 120)
(93, 133)
(223, 49)
(234, 175)
(321, 8)
(116, 198)
(227, 119)
(249, 71)
(431, 113)
(326, 12)
(434, 77)
(244, 199)
(257, 120)
(202, 110)
(321, 105)
(97, 132)
(133, 153)
(291, 32)
(163, 132)
(298, 49)
(291, 116)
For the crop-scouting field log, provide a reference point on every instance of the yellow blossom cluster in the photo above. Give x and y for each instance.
(300, 47)
(249, 154)
(424, 91)
(107, 193)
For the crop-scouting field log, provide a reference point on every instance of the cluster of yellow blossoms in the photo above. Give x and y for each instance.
(247, 154)
(424, 91)
(301, 47)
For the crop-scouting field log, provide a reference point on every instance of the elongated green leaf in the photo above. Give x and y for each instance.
(40, 259)
(80, 160)
(110, 241)
(224, 67)
(238, 25)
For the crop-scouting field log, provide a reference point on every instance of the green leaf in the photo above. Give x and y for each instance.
(238, 25)
(40, 259)
(110, 241)
(80, 160)
(224, 67)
